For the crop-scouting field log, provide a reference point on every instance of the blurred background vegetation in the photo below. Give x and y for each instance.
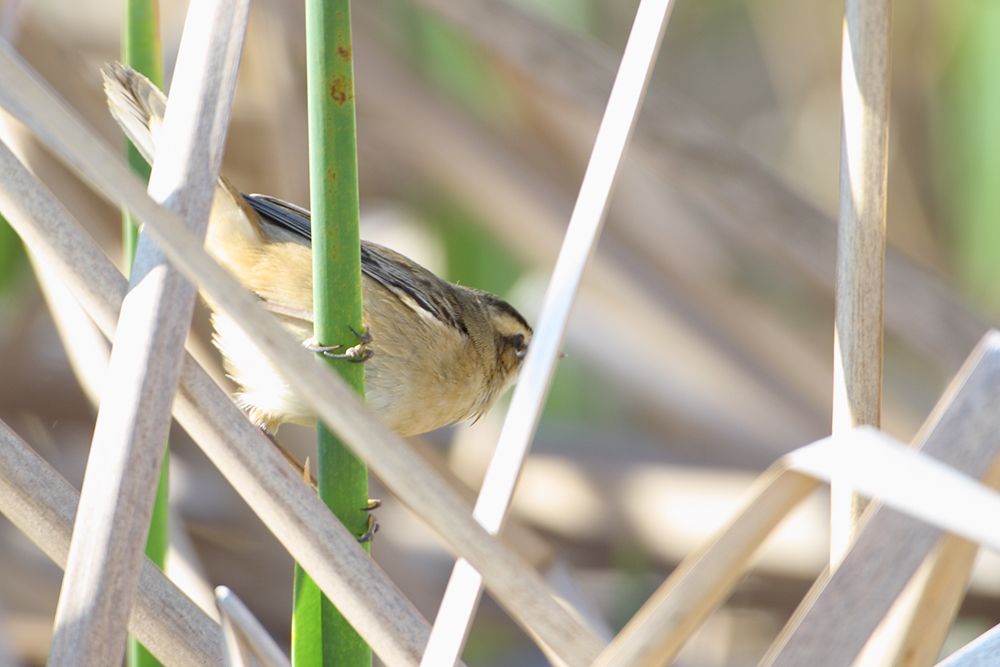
(701, 348)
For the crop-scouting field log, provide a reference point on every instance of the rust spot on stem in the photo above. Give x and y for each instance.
(341, 90)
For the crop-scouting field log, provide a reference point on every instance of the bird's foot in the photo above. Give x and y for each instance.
(357, 354)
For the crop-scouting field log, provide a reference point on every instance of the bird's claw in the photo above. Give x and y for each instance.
(370, 533)
(357, 354)
(365, 337)
(373, 504)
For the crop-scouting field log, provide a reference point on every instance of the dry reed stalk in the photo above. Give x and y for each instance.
(841, 611)
(857, 356)
(119, 488)
(238, 620)
(43, 506)
(457, 610)
(937, 603)
(704, 579)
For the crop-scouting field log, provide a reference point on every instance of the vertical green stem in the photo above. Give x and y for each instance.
(320, 634)
(141, 49)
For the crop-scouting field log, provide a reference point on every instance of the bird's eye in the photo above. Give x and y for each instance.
(517, 340)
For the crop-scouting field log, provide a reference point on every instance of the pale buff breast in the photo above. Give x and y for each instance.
(422, 374)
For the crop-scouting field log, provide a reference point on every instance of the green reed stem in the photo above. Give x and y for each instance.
(141, 50)
(320, 634)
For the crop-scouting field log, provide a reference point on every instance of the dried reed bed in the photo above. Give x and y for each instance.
(745, 382)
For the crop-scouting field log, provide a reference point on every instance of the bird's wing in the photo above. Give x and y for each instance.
(411, 283)
(283, 214)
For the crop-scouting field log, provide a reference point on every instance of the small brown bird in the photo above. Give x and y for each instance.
(439, 352)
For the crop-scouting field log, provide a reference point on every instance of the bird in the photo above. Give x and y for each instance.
(435, 352)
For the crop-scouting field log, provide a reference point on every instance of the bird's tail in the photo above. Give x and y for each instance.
(137, 104)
